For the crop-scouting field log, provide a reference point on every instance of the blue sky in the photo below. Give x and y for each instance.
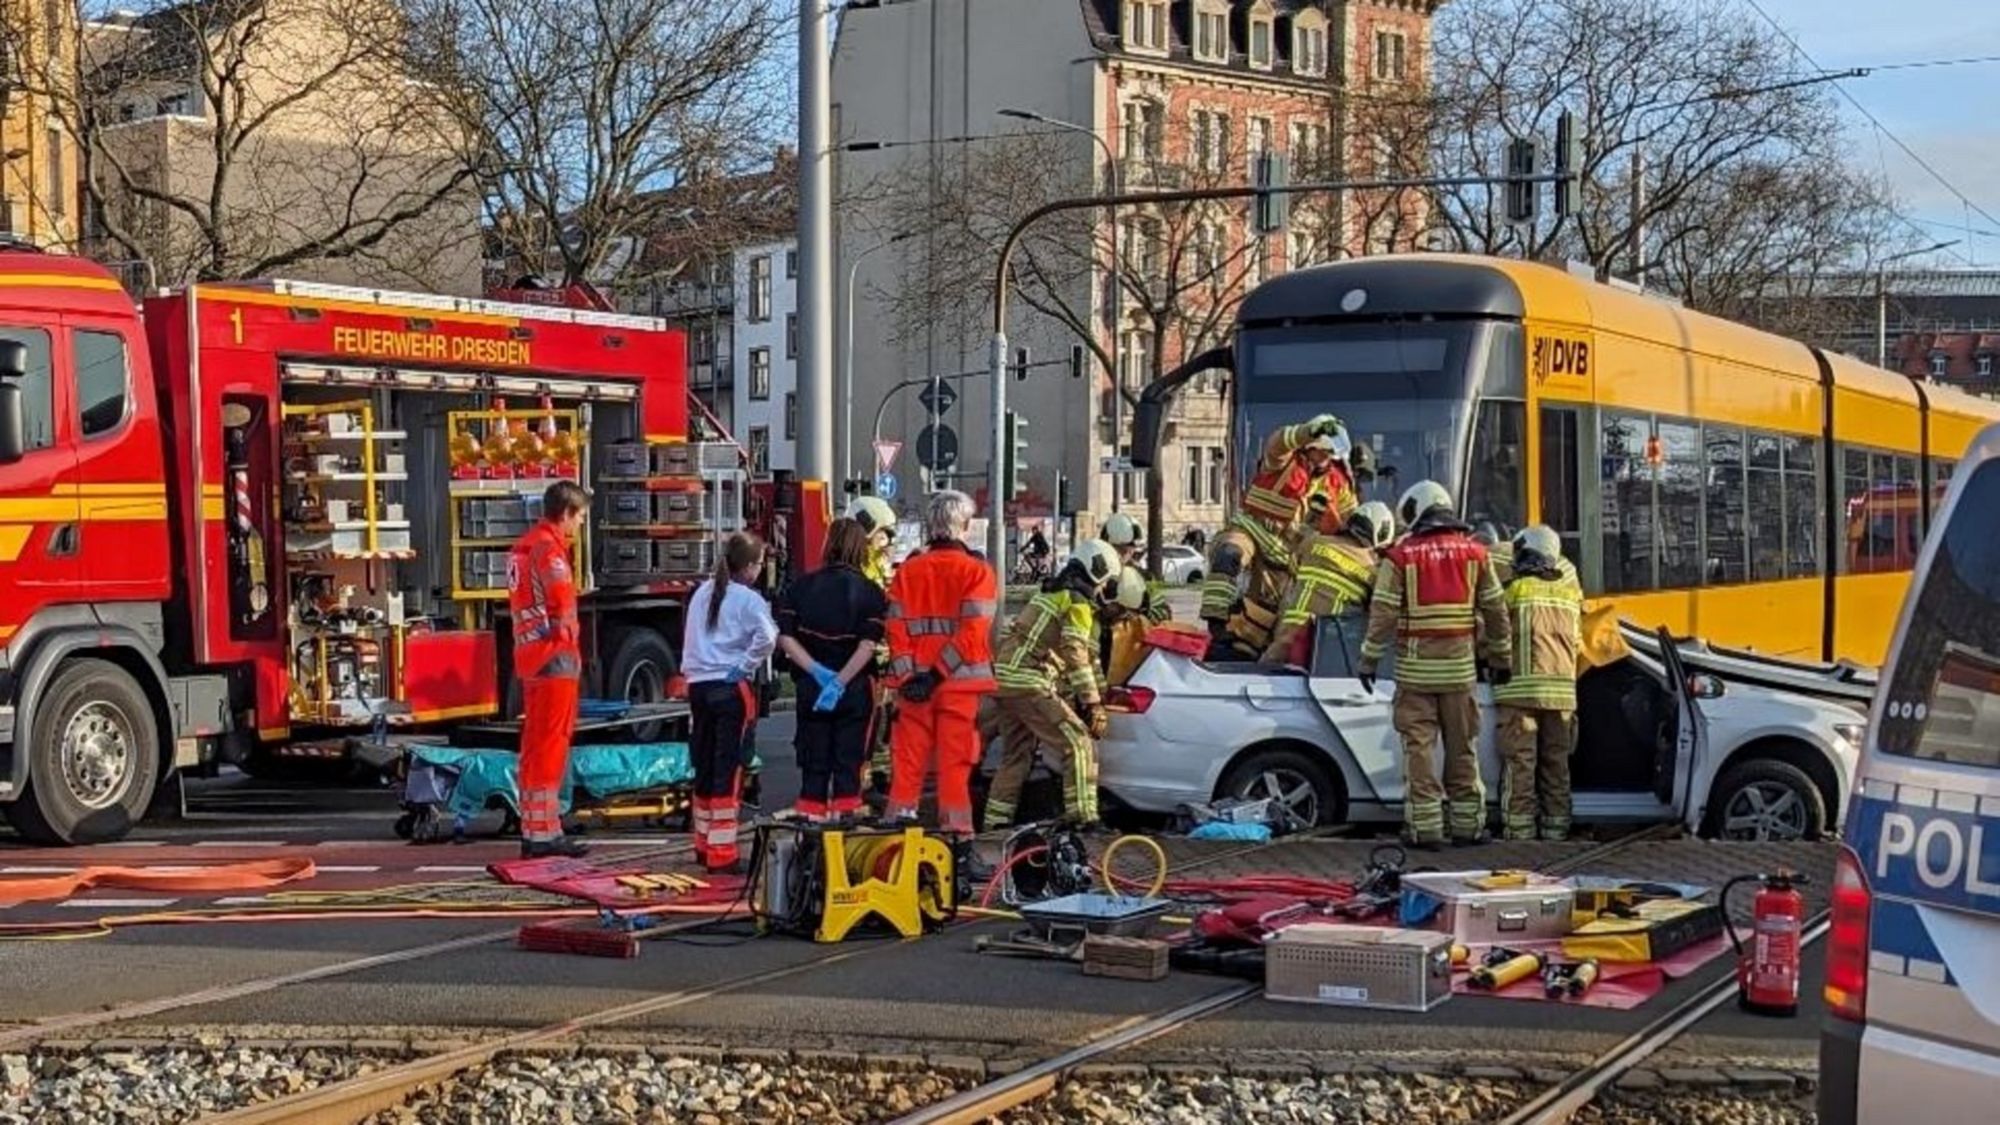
(1947, 114)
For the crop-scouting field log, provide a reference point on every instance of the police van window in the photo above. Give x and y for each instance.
(1562, 459)
(1626, 504)
(1680, 474)
(38, 406)
(1726, 532)
(102, 378)
(1943, 695)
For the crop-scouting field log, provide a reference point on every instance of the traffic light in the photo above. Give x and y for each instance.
(1021, 359)
(1065, 503)
(1076, 361)
(1272, 207)
(1569, 165)
(1523, 157)
(1014, 448)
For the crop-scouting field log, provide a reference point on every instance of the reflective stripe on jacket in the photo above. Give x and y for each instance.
(1050, 649)
(1547, 615)
(941, 607)
(1333, 574)
(541, 601)
(1280, 484)
(1433, 592)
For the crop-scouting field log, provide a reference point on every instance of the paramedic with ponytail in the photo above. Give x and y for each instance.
(730, 634)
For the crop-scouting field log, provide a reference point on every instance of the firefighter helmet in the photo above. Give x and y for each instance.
(1537, 544)
(1373, 524)
(1132, 589)
(1335, 442)
(873, 514)
(1120, 530)
(1421, 497)
(1097, 561)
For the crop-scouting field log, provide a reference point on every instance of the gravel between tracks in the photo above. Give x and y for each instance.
(161, 1084)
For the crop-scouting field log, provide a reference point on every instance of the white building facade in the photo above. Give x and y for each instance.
(764, 354)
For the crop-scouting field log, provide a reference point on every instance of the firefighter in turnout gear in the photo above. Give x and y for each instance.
(1538, 703)
(1250, 563)
(1434, 594)
(541, 601)
(1335, 572)
(1047, 661)
(1126, 537)
(878, 519)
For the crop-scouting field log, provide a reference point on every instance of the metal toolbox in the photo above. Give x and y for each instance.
(625, 562)
(628, 507)
(693, 458)
(497, 518)
(1358, 967)
(482, 569)
(1537, 908)
(684, 558)
(717, 508)
(628, 459)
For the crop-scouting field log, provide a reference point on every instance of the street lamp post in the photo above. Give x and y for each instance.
(844, 384)
(1882, 296)
(1117, 283)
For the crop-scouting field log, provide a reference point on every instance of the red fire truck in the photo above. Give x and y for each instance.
(243, 518)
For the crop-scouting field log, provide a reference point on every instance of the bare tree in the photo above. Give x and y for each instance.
(580, 117)
(1683, 108)
(1179, 269)
(241, 138)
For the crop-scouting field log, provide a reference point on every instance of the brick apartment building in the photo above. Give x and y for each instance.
(1176, 89)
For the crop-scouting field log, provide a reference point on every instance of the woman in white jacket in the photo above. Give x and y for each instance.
(730, 634)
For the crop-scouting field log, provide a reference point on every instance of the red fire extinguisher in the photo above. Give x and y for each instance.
(1767, 970)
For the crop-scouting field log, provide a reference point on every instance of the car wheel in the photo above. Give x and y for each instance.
(1194, 578)
(1308, 794)
(95, 758)
(1765, 800)
(641, 665)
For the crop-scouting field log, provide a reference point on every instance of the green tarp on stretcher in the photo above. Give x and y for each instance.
(461, 782)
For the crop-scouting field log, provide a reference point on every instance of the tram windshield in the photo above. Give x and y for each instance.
(1409, 390)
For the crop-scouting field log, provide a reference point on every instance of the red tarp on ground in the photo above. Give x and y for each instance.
(1620, 986)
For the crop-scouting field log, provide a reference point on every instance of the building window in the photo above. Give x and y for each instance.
(760, 451)
(1260, 37)
(1196, 480)
(1299, 254)
(1256, 263)
(1140, 244)
(791, 263)
(1308, 145)
(791, 335)
(1211, 139)
(174, 105)
(1985, 364)
(1257, 142)
(1146, 25)
(38, 403)
(1390, 58)
(1217, 474)
(1940, 365)
(1209, 252)
(760, 373)
(58, 196)
(1124, 482)
(1309, 48)
(701, 344)
(791, 415)
(760, 288)
(101, 381)
(1145, 129)
(1211, 33)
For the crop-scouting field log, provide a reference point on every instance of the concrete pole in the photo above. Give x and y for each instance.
(815, 282)
(1881, 317)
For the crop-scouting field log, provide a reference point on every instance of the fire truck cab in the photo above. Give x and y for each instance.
(246, 516)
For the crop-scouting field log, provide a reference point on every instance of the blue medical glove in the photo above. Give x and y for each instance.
(830, 695)
(823, 675)
(736, 676)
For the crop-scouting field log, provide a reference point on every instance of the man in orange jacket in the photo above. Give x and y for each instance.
(541, 600)
(941, 607)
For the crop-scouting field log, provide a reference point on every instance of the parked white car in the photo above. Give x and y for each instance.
(1654, 744)
(1181, 566)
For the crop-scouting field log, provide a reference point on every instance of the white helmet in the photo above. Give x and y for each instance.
(1336, 443)
(1374, 524)
(1421, 497)
(873, 514)
(1539, 540)
(1132, 589)
(1120, 530)
(1098, 560)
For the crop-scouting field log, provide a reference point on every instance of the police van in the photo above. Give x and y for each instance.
(1913, 955)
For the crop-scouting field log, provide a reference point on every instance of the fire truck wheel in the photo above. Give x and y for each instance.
(641, 665)
(95, 758)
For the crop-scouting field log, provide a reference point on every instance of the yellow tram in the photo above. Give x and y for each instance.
(1711, 478)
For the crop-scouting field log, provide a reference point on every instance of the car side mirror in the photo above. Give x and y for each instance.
(1701, 685)
(13, 401)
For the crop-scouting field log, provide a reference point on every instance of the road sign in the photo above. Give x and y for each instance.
(885, 485)
(885, 454)
(938, 397)
(1109, 464)
(937, 447)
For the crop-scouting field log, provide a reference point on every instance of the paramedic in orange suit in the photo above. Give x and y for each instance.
(541, 600)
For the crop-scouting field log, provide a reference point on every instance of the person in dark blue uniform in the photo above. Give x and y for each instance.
(829, 624)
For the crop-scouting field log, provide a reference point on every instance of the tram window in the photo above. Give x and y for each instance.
(1766, 488)
(1728, 546)
(1680, 505)
(1909, 513)
(1626, 505)
(1562, 460)
(1802, 504)
(1856, 512)
(1498, 489)
(1940, 482)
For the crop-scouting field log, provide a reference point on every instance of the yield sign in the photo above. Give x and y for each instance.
(885, 453)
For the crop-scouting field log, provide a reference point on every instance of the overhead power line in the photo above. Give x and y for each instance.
(1927, 64)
